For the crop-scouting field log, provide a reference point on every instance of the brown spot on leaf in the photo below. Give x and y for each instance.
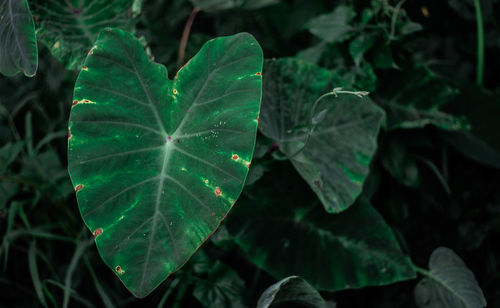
(74, 103)
(97, 232)
(248, 165)
(86, 101)
(91, 52)
(258, 74)
(175, 91)
(206, 181)
(85, 68)
(78, 187)
(119, 270)
(235, 157)
(218, 192)
(69, 134)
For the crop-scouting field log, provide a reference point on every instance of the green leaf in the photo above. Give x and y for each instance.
(292, 289)
(413, 97)
(158, 163)
(360, 45)
(450, 284)
(282, 230)
(333, 27)
(221, 288)
(18, 50)
(69, 30)
(336, 161)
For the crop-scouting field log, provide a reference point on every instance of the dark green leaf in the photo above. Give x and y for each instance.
(284, 232)
(333, 27)
(158, 163)
(450, 283)
(69, 30)
(18, 50)
(360, 45)
(221, 5)
(222, 288)
(336, 160)
(292, 289)
(412, 98)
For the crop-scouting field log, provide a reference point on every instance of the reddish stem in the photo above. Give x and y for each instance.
(185, 36)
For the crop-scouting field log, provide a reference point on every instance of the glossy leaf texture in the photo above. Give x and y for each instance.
(450, 283)
(70, 28)
(413, 98)
(18, 46)
(336, 160)
(289, 290)
(284, 231)
(158, 163)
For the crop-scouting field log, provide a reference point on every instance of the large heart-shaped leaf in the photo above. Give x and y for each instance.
(336, 161)
(18, 48)
(70, 28)
(283, 230)
(158, 163)
(449, 283)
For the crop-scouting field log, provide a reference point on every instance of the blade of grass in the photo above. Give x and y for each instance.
(480, 43)
(71, 292)
(79, 250)
(165, 296)
(10, 222)
(35, 277)
(108, 303)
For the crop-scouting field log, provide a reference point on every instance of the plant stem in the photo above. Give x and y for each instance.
(480, 43)
(420, 270)
(185, 36)
(395, 15)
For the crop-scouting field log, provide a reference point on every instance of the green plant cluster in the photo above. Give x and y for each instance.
(249, 153)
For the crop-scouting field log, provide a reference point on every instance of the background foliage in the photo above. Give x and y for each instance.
(433, 178)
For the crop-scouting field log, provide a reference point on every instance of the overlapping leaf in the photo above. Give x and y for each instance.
(158, 163)
(336, 161)
(70, 28)
(284, 231)
(18, 47)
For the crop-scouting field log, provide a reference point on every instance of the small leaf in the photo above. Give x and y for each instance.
(158, 163)
(69, 30)
(333, 27)
(18, 50)
(292, 289)
(360, 45)
(284, 231)
(450, 283)
(336, 159)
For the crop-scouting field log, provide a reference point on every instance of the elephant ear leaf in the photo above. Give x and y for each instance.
(18, 47)
(157, 163)
(69, 30)
(449, 283)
